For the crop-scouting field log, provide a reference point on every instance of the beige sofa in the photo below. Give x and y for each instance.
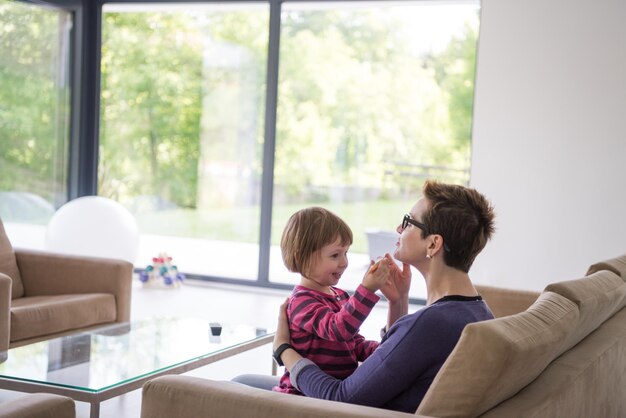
(38, 405)
(563, 356)
(43, 295)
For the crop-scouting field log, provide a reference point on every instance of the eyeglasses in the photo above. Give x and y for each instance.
(408, 220)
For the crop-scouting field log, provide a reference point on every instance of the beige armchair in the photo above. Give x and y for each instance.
(43, 295)
(38, 405)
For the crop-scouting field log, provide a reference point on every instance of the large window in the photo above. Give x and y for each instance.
(34, 117)
(372, 99)
(181, 129)
(218, 120)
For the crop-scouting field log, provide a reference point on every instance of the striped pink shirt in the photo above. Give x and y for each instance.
(325, 329)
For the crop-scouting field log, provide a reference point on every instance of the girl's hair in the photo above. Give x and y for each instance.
(463, 217)
(306, 232)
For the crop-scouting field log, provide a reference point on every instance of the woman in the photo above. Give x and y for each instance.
(440, 237)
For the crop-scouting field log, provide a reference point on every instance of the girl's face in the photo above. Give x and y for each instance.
(328, 265)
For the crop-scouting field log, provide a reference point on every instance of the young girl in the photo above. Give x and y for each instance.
(324, 320)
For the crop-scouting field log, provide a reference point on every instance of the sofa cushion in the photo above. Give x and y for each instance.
(598, 297)
(503, 302)
(8, 265)
(42, 315)
(495, 359)
(592, 371)
(617, 265)
(193, 397)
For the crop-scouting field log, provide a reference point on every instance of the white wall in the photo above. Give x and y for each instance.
(549, 137)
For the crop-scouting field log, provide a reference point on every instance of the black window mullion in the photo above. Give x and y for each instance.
(269, 145)
(83, 174)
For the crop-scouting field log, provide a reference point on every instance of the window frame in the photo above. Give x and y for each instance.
(86, 37)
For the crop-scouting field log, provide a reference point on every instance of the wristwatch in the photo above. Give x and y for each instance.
(279, 351)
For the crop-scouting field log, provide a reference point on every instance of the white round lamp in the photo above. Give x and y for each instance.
(94, 226)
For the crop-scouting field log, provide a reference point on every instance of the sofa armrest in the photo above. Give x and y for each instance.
(193, 397)
(504, 302)
(5, 311)
(38, 405)
(52, 274)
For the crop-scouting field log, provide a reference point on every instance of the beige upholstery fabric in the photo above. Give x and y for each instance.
(192, 397)
(503, 302)
(586, 381)
(8, 265)
(62, 293)
(495, 359)
(42, 315)
(598, 297)
(38, 405)
(507, 367)
(5, 310)
(617, 265)
(53, 274)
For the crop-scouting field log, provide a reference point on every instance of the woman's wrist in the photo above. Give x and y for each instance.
(278, 352)
(289, 357)
(401, 305)
(396, 311)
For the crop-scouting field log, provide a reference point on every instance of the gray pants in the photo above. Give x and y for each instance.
(260, 381)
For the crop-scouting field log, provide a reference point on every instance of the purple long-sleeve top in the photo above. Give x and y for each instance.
(399, 372)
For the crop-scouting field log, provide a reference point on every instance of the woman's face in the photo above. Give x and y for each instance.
(411, 247)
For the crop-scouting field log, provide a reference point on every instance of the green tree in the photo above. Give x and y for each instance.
(151, 103)
(455, 71)
(34, 100)
(354, 96)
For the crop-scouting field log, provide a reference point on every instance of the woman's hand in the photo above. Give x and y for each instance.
(290, 356)
(396, 290)
(397, 287)
(282, 328)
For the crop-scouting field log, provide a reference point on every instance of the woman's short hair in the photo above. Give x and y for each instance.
(463, 217)
(306, 232)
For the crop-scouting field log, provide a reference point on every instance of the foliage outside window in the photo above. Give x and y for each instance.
(34, 111)
(372, 99)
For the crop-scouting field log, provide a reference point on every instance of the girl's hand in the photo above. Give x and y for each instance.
(397, 287)
(377, 275)
(282, 328)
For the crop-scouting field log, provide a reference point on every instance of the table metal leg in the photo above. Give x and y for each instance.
(94, 411)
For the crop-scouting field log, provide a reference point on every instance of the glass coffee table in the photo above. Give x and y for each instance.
(106, 362)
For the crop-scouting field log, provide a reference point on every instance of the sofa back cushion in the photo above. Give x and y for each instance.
(503, 302)
(8, 265)
(598, 297)
(617, 265)
(495, 359)
(585, 381)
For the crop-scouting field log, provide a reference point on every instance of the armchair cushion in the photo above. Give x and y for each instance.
(38, 405)
(8, 265)
(48, 274)
(44, 294)
(40, 315)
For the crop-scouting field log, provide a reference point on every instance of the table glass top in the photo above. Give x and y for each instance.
(109, 356)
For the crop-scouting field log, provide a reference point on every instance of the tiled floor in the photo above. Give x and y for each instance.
(215, 303)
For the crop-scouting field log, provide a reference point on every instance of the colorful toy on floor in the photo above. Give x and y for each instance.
(162, 270)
